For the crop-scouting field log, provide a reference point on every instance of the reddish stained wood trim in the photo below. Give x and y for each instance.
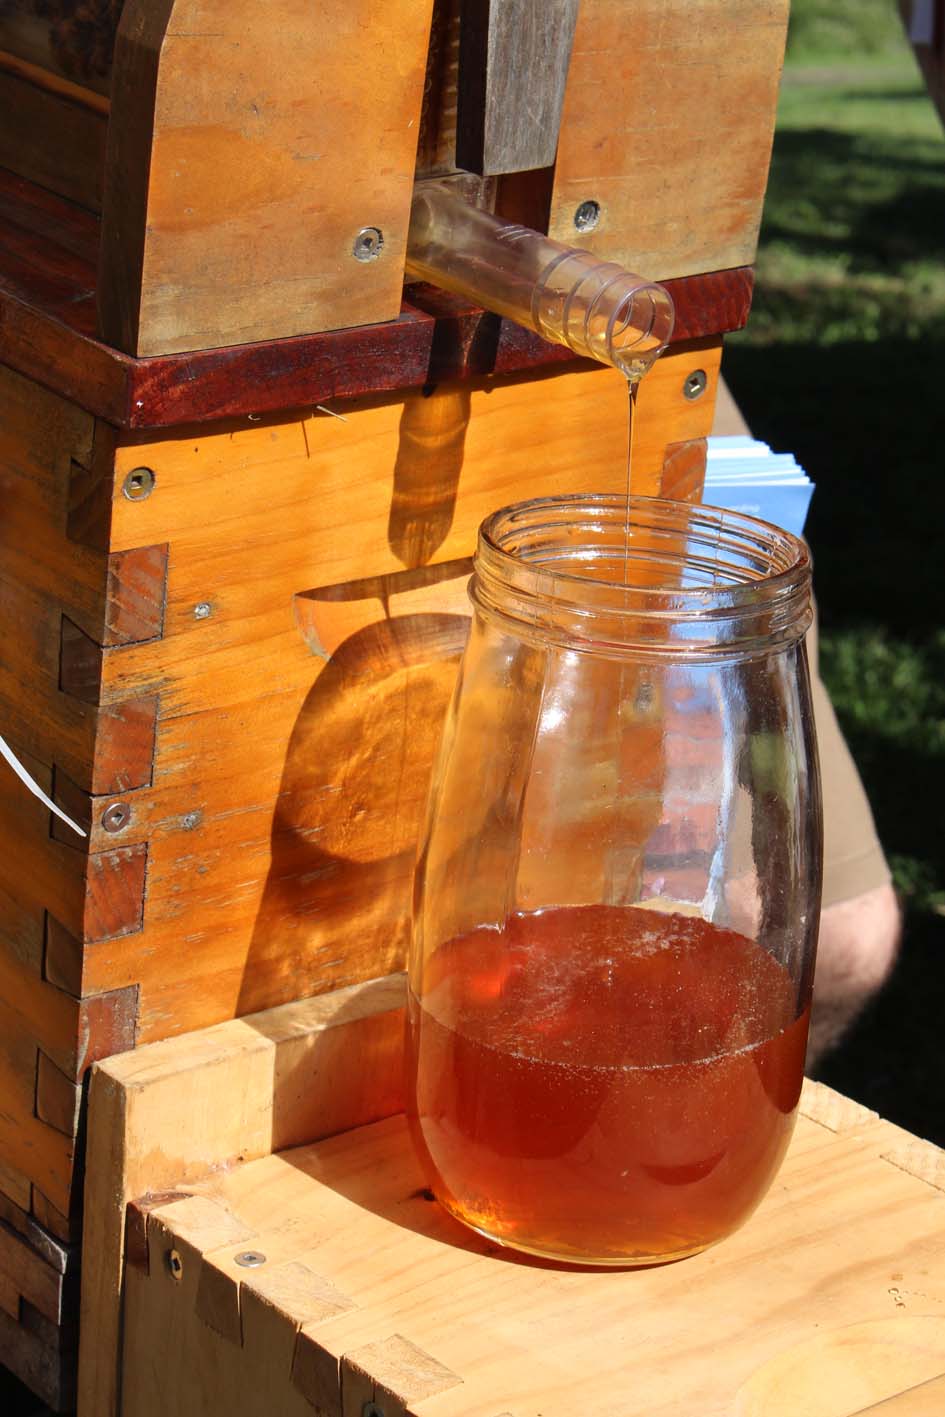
(437, 337)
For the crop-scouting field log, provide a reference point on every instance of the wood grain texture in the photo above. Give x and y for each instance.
(513, 65)
(432, 1303)
(42, 1357)
(668, 122)
(330, 647)
(51, 138)
(47, 324)
(231, 207)
(58, 1097)
(166, 1114)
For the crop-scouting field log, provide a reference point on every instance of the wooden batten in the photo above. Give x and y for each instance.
(369, 1293)
(232, 208)
(162, 1116)
(52, 130)
(513, 65)
(669, 112)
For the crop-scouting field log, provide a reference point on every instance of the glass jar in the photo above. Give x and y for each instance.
(618, 892)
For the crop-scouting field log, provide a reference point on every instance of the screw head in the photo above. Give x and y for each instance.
(175, 1264)
(203, 611)
(696, 384)
(368, 243)
(116, 816)
(250, 1259)
(587, 216)
(138, 484)
(190, 821)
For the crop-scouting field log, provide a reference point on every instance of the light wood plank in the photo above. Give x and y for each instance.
(232, 205)
(167, 1114)
(668, 122)
(795, 1313)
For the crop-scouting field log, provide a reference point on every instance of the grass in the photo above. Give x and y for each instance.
(843, 363)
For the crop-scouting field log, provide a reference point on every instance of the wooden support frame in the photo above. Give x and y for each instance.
(170, 1113)
(206, 1183)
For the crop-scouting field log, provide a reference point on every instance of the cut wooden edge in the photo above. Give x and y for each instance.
(919, 1158)
(165, 1116)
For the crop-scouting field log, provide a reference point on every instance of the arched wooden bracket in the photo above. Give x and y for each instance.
(250, 148)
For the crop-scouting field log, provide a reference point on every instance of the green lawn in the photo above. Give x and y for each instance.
(843, 363)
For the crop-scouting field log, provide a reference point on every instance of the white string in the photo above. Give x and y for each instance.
(34, 787)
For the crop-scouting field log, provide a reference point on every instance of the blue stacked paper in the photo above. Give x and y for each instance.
(744, 475)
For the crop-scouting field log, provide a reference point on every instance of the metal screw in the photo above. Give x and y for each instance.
(138, 484)
(203, 611)
(175, 1264)
(250, 1259)
(368, 243)
(587, 216)
(696, 384)
(191, 820)
(116, 816)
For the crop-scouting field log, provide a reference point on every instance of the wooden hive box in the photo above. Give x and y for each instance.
(261, 1275)
(230, 619)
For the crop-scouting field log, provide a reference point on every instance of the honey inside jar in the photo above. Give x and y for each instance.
(610, 1084)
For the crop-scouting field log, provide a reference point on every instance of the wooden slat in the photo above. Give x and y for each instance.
(232, 207)
(668, 122)
(164, 1115)
(513, 64)
(37, 1281)
(49, 138)
(439, 1324)
(42, 1357)
(14, 1185)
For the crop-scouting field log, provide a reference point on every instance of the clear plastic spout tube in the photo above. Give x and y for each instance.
(569, 296)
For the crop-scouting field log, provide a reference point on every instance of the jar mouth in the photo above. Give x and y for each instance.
(608, 574)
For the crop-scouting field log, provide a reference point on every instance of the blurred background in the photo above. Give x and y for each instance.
(843, 364)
